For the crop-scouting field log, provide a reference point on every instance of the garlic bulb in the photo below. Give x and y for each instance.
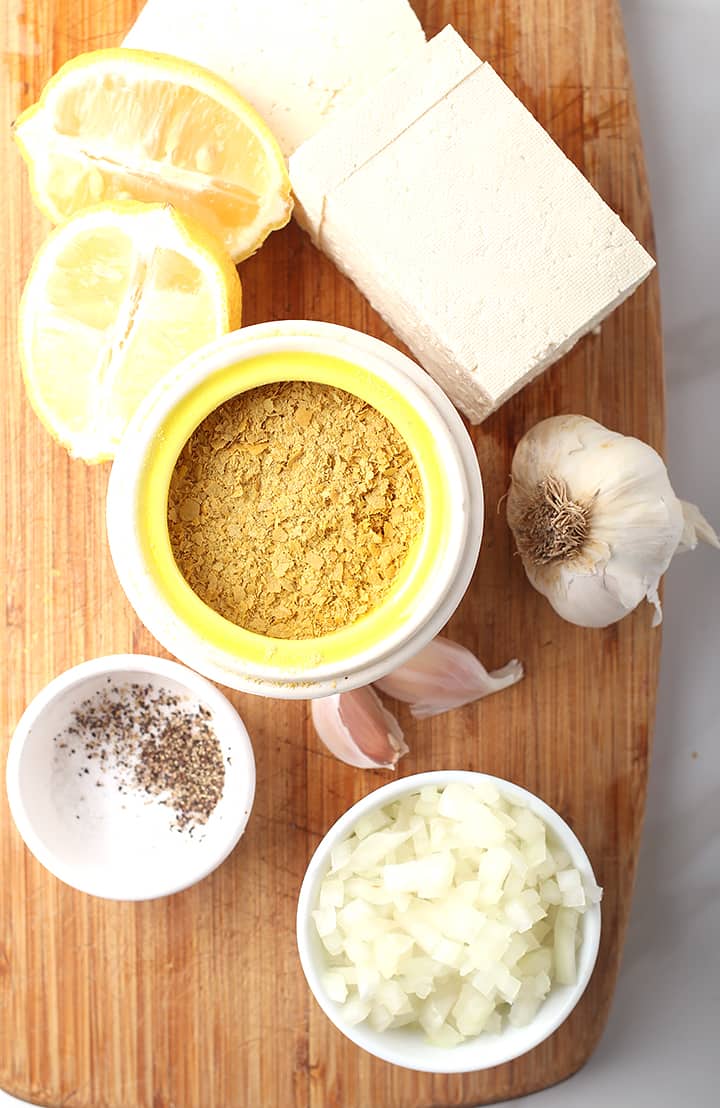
(357, 729)
(595, 519)
(445, 675)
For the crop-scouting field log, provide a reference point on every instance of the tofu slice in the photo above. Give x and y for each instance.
(468, 229)
(298, 62)
(363, 130)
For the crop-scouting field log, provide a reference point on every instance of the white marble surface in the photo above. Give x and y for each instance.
(660, 1047)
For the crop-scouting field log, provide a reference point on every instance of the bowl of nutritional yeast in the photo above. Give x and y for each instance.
(295, 510)
(130, 777)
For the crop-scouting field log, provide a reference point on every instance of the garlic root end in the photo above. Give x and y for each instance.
(696, 529)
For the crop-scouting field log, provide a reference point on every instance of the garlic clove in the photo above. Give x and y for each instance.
(356, 728)
(446, 675)
(596, 598)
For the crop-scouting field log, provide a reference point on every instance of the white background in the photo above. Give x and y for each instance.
(661, 1046)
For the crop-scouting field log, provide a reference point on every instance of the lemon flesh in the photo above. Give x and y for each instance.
(116, 297)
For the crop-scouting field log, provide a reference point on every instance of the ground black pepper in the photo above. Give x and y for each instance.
(146, 737)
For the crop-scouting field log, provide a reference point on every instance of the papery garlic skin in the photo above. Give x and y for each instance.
(634, 522)
(358, 730)
(445, 675)
(696, 529)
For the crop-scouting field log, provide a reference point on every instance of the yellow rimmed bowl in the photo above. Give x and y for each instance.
(428, 587)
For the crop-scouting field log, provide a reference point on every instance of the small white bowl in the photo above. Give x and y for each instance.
(120, 845)
(408, 1047)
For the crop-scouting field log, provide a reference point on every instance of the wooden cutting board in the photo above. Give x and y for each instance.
(198, 1001)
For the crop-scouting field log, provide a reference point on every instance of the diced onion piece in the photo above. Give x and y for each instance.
(333, 943)
(536, 852)
(527, 826)
(436, 1008)
(516, 950)
(325, 921)
(371, 821)
(426, 936)
(462, 922)
(525, 1008)
(448, 952)
(488, 793)
(332, 894)
(547, 868)
(427, 803)
(471, 1011)
(371, 891)
(388, 951)
(355, 1010)
(518, 914)
(420, 837)
(375, 848)
(358, 952)
(340, 855)
(380, 1018)
(368, 982)
(550, 892)
(542, 929)
(570, 885)
(497, 979)
(351, 914)
(482, 827)
(455, 800)
(394, 998)
(445, 1036)
(535, 962)
(518, 859)
(427, 877)
(494, 866)
(541, 985)
(566, 923)
(335, 986)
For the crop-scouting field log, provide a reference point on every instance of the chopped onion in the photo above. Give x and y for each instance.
(451, 909)
(335, 986)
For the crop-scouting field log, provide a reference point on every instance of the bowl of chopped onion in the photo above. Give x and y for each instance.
(449, 922)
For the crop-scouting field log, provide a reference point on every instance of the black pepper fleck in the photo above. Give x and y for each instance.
(150, 740)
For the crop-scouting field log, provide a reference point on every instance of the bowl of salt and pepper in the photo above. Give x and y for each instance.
(130, 777)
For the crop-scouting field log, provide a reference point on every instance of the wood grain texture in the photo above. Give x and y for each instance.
(198, 1001)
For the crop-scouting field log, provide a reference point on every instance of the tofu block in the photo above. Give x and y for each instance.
(479, 242)
(298, 62)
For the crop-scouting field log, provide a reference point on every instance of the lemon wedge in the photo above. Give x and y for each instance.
(116, 297)
(128, 124)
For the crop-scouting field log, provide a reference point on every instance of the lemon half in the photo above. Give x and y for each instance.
(116, 297)
(128, 124)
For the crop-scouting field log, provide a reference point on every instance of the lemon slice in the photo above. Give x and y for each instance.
(127, 124)
(116, 297)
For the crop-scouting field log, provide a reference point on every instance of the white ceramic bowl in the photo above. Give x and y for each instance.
(287, 669)
(113, 844)
(408, 1047)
